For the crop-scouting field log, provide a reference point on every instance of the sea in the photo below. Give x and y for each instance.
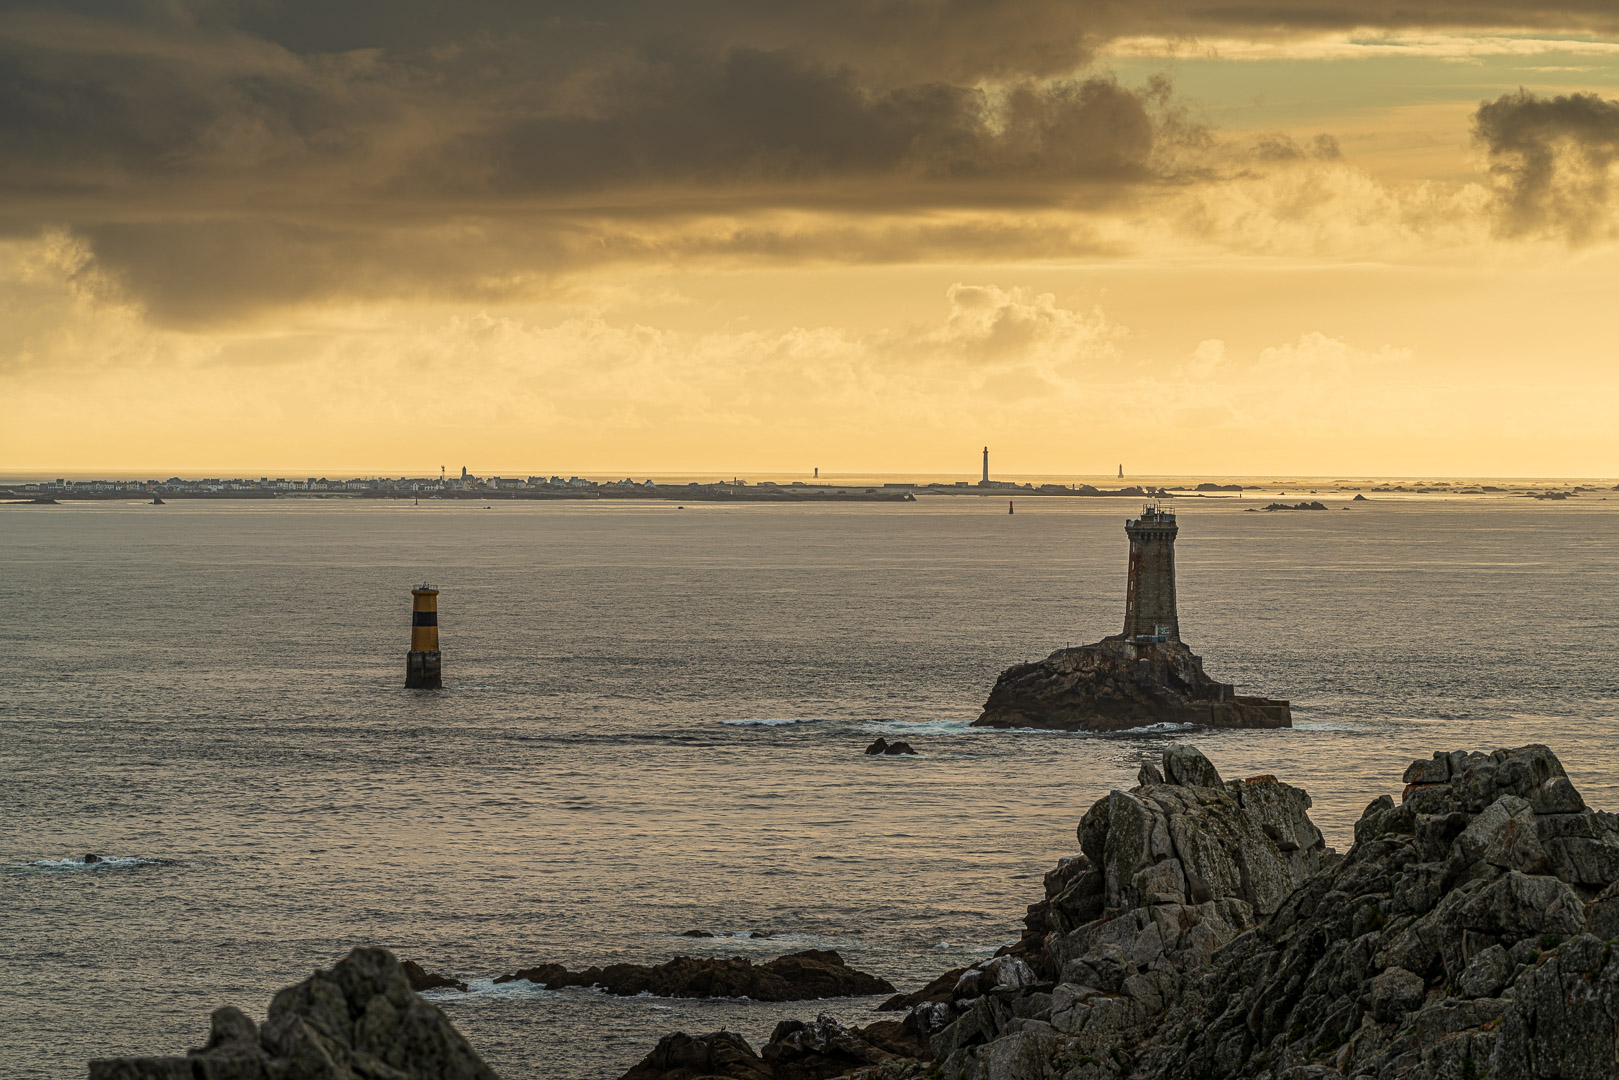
(654, 721)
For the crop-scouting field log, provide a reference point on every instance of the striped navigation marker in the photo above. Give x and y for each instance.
(422, 662)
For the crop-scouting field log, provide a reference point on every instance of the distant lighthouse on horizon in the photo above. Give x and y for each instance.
(986, 465)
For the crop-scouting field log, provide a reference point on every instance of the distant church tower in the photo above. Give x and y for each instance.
(1149, 606)
(986, 465)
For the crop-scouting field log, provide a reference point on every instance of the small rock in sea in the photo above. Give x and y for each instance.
(697, 933)
(878, 747)
(422, 979)
(761, 934)
(1360, 498)
(91, 860)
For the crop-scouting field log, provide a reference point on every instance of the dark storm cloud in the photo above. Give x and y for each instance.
(754, 117)
(222, 155)
(1553, 158)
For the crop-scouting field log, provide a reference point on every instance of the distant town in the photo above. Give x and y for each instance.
(469, 486)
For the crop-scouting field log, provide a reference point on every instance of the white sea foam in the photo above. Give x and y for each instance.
(104, 862)
(733, 940)
(488, 989)
(919, 727)
(778, 721)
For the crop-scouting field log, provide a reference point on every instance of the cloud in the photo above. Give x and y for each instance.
(221, 159)
(1552, 159)
(751, 118)
(1044, 380)
(1366, 43)
(1238, 23)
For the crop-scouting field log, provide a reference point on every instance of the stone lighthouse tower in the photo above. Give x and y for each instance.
(1149, 606)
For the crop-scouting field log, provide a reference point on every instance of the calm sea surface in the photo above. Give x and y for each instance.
(653, 721)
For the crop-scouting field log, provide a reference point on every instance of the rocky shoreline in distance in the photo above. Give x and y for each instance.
(800, 976)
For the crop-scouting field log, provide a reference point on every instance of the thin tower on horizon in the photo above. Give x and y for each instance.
(986, 465)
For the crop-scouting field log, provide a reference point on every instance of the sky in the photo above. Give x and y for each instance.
(1300, 237)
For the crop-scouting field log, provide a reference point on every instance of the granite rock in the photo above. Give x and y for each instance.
(359, 1021)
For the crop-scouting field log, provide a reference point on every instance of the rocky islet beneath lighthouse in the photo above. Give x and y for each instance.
(1145, 675)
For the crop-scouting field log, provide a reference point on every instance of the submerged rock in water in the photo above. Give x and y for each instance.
(1205, 929)
(1117, 684)
(799, 976)
(883, 746)
(422, 979)
(359, 1021)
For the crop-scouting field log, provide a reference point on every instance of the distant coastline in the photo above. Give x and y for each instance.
(537, 488)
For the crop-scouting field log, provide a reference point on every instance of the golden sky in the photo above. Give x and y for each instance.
(633, 236)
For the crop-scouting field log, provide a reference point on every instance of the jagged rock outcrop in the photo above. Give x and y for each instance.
(1206, 931)
(800, 976)
(1168, 873)
(422, 979)
(1117, 684)
(1463, 935)
(359, 1021)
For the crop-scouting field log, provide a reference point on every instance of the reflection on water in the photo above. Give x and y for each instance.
(654, 722)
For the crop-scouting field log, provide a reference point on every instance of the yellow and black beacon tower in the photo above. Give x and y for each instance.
(422, 662)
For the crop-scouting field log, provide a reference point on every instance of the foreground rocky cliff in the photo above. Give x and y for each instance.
(1119, 683)
(1205, 930)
